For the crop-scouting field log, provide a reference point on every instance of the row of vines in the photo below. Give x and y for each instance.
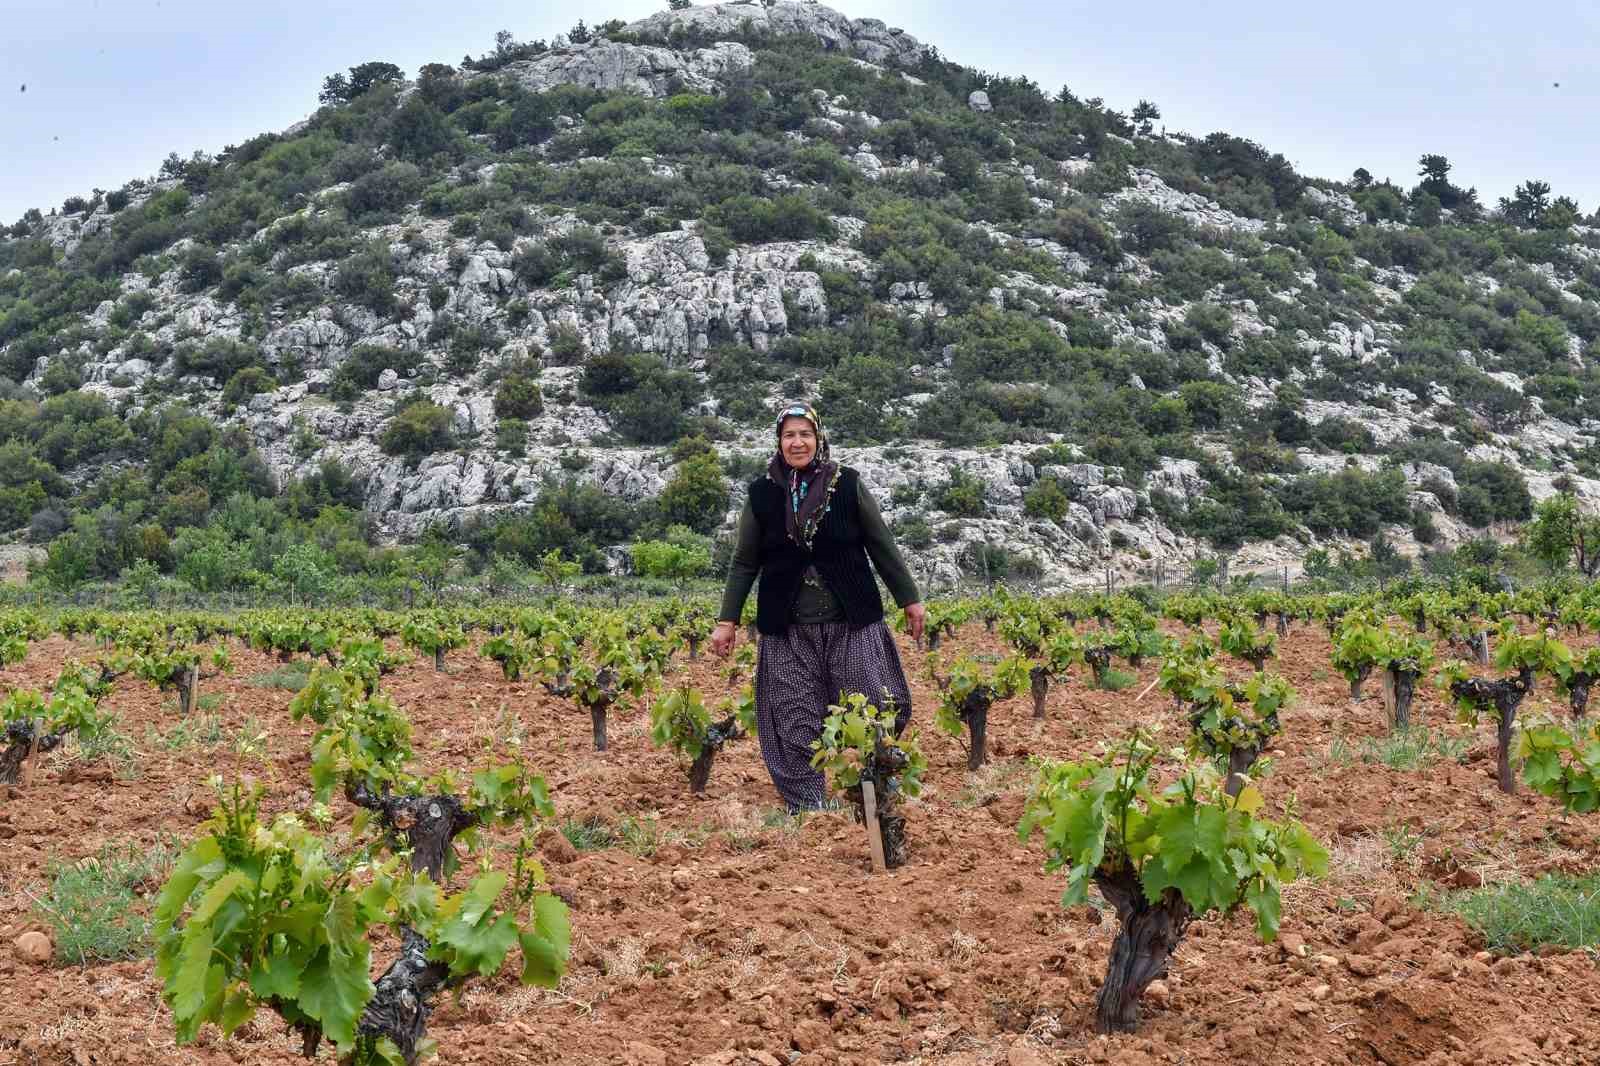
(281, 913)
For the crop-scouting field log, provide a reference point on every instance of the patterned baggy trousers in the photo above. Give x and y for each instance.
(798, 674)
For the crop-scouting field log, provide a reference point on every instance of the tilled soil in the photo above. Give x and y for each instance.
(725, 933)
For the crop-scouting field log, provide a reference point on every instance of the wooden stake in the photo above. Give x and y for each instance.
(1389, 697)
(25, 778)
(869, 805)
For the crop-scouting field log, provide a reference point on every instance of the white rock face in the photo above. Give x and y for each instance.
(673, 300)
(1148, 188)
(1335, 206)
(867, 39)
(645, 69)
(978, 100)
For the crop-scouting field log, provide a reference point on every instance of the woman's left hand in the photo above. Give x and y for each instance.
(916, 614)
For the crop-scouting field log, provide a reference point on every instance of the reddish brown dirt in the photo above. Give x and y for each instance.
(736, 942)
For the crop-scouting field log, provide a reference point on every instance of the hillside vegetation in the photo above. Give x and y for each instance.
(546, 301)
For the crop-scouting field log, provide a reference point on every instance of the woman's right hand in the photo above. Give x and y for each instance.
(723, 636)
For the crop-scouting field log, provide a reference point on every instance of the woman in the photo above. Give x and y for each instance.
(808, 529)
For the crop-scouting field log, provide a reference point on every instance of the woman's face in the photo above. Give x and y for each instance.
(797, 439)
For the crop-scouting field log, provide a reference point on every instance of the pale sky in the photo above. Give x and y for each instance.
(114, 85)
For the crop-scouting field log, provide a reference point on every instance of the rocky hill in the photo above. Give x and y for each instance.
(1054, 339)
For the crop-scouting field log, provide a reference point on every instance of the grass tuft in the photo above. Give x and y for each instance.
(198, 731)
(637, 836)
(111, 746)
(1513, 917)
(96, 907)
(291, 676)
(1411, 749)
(1116, 680)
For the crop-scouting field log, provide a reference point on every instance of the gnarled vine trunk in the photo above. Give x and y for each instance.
(20, 744)
(1362, 673)
(403, 1000)
(1149, 934)
(404, 996)
(716, 736)
(700, 770)
(1504, 697)
(1578, 693)
(978, 734)
(975, 712)
(1240, 760)
(1039, 688)
(428, 823)
(1099, 660)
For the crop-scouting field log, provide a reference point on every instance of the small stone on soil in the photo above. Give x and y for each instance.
(641, 1054)
(1362, 965)
(1022, 1055)
(34, 947)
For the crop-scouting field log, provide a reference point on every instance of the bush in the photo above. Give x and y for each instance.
(697, 495)
(1046, 499)
(517, 395)
(961, 496)
(1210, 404)
(914, 531)
(1211, 322)
(367, 278)
(673, 562)
(1351, 502)
(384, 193)
(582, 251)
(1146, 228)
(988, 561)
(1081, 232)
(1492, 492)
(361, 368)
(200, 269)
(221, 357)
(467, 345)
(420, 428)
(647, 401)
(511, 436)
(568, 517)
(247, 383)
(756, 220)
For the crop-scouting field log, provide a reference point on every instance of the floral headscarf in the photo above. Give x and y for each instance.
(810, 488)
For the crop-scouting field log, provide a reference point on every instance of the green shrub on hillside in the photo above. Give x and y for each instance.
(419, 428)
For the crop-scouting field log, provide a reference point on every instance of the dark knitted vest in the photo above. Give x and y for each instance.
(836, 552)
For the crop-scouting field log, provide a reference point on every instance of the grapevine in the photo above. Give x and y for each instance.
(1161, 858)
(858, 742)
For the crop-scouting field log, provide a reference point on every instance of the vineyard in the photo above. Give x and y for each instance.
(1195, 829)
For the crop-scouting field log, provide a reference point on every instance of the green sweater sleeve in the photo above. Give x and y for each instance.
(743, 567)
(883, 552)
